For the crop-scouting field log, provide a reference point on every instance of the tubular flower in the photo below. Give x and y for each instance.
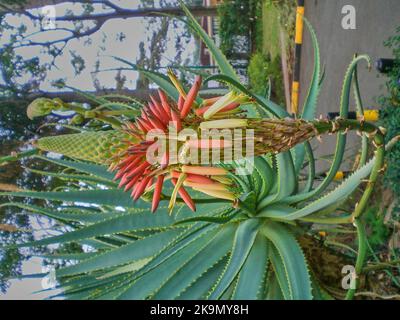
(138, 175)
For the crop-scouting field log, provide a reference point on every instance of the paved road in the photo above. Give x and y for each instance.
(376, 20)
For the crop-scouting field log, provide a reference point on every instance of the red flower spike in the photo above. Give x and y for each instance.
(150, 183)
(162, 115)
(118, 175)
(151, 111)
(156, 103)
(157, 124)
(198, 179)
(123, 181)
(181, 101)
(126, 161)
(137, 175)
(157, 193)
(185, 196)
(164, 102)
(176, 120)
(229, 107)
(140, 125)
(139, 170)
(131, 183)
(133, 164)
(191, 97)
(141, 187)
(144, 124)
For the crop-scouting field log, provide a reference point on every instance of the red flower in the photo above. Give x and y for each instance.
(137, 175)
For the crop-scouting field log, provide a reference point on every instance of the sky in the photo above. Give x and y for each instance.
(135, 31)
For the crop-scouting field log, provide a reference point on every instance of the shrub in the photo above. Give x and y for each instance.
(236, 18)
(390, 115)
(262, 68)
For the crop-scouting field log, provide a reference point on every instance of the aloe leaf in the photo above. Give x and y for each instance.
(84, 216)
(244, 239)
(252, 276)
(341, 138)
(74, 177)
(341, 192)
(247, 203)
(146, 285)
(264, 177)
(311, 167)
(274, 291)
(94, 287)
(128, 268)
(118, 223)
(216, 249)
(310, 103)
(186, 238)
(286, 180)
(293, 260)
(280, 273)
(276, 211)
(111, 197)
(137, 250)
(86, 95)
(89, 168)
(225, 217)
(199, 289)
(213, 92)
(360, 110)
(158, 78)
(67, 256)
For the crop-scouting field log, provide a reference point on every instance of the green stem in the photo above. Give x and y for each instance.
(347, 219)
(326, 126)
(129, 113)
(96, 115)
(362, 250)
(382, 265)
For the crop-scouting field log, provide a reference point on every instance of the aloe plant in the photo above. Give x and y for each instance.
(243, 240)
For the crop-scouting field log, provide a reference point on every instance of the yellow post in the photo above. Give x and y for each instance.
(298, 43)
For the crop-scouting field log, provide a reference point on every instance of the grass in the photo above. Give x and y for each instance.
(265, 62)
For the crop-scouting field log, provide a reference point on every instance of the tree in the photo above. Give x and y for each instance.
(80, 24)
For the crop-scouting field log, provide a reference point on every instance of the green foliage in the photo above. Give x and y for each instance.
(390, 115)
(237, 18)
(260, 70)
(378, 232)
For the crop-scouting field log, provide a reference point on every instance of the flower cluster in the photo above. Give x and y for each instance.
(138, 175)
